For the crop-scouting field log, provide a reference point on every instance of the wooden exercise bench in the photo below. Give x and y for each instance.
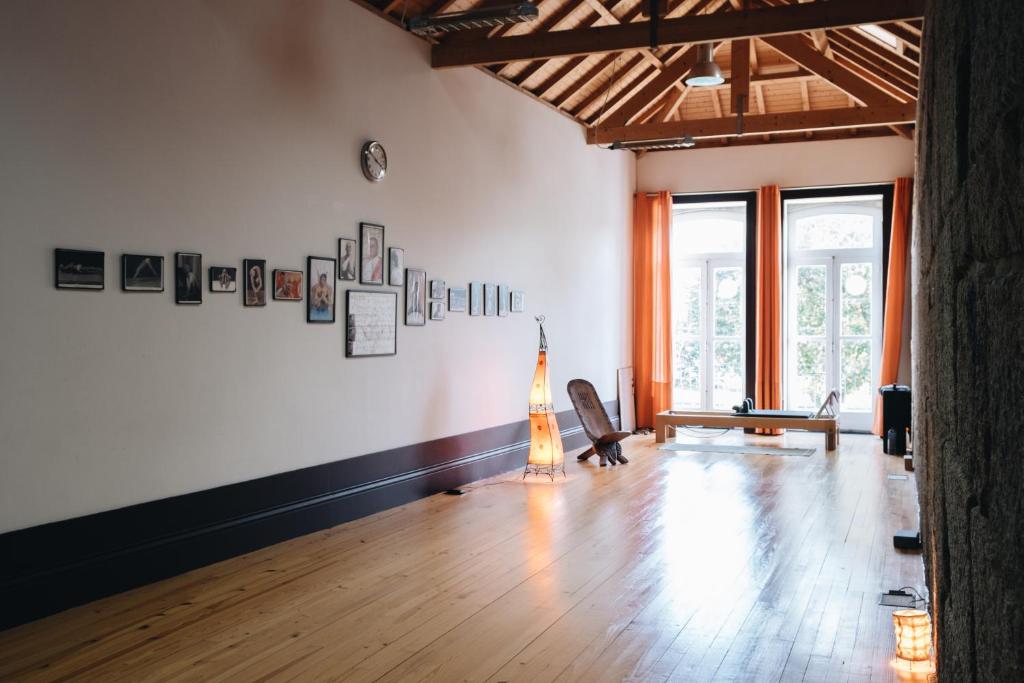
(825, 420)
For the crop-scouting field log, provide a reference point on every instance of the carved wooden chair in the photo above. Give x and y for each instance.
(596, 424)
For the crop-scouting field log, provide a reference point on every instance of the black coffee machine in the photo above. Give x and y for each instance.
(895, 418)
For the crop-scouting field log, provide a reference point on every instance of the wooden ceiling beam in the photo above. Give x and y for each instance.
(854, 39)
(873, 70)
(739, 88)
(627, 109)
(867, 71)
(688, 29)
(796, 48)
(790, 122)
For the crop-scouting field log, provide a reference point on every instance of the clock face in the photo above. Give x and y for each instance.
(374, 161)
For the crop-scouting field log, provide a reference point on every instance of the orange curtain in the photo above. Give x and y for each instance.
(768, 374)
(652, 336)
(895, 289)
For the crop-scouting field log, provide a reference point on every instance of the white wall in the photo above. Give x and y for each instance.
(797, 164)
(232, 129)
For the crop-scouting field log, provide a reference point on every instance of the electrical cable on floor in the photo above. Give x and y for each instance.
(692, 431)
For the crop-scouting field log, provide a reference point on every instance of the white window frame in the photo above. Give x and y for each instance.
(833, 259)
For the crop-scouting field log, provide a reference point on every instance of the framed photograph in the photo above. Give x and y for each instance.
(437, 288)
(503, 300)
(320, 306)
(223, 279)
(287, 285)
(188, 278)
(346, 258)
(371, 323)
(490, 299)
(476, 298)
(75, 269)
(518, 301)
(371, 254)
(437, 310)
(142, 273)
(457, 299)
(415, 296)
(254, 289)
(396, 266)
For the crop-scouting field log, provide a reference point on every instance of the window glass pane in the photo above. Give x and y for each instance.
(834, 231)
(728, 371)
(809, 391)
(686, 301)
(810, 301)
(715, 227)
(686, 383)
(728, 316)
(855, 362)
(855, 279)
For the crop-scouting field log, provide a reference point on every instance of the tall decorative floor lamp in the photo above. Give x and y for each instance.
(546, 453)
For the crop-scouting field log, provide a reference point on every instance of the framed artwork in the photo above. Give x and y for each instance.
(223, 279)
(415, 296)
(503, 300)
(142, 273)
(371, 254)
(188, 278)
(490, 299)
(320, 306)
(437, 310)
(287, 285)
(437, 289)
(518, 301)
(396, 266)
(254, 289)
(457, 299)
(476, 298)
(371, 323)
(76, 269)
(346, 258)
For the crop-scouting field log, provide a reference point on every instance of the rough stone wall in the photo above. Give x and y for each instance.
(968, 266)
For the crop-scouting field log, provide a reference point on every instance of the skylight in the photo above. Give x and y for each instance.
(879, 33)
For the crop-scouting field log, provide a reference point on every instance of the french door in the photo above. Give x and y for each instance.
(834, 307)
(708, 306)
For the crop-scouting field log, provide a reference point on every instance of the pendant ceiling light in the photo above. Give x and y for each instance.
(705, 72)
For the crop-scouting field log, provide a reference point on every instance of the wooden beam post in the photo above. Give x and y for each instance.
(790, 122)
(740, 90)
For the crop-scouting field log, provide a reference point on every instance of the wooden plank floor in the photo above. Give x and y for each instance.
(676, 567)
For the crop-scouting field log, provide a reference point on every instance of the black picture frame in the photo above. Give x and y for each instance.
(188, 278)
(437, 309)
(458, 299)
(321, 304)
(254, 286)
(347, 267)
(476, 298)
(415, 297)
(139, 265)
(517, 303)
(286, 289)
(437, 289)
(504, 300)
(371, 234)
(352, 324)
(396, 266)
(79, 269)
(222, 279)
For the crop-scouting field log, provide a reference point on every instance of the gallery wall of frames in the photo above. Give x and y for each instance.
(370, 315)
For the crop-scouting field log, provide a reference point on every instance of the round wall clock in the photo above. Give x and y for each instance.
(374, 161)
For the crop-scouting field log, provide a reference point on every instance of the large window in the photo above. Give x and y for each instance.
(709, 303)
(833, 302)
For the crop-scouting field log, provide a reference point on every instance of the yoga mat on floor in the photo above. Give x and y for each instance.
(742, 450)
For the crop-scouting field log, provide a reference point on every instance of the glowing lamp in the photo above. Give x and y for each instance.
(546, 453)
(913, 635)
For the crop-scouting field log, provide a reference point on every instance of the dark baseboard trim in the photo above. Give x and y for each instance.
(52, 567)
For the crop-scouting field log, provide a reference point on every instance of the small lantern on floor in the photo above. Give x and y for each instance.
(913, 636)
(546, 453)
